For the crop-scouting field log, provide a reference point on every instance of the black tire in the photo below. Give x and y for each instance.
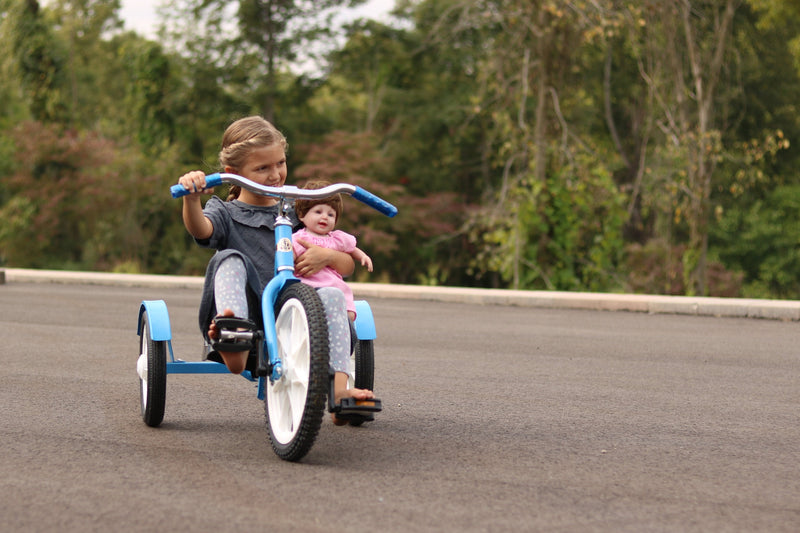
(365, 365)
(294, 404)
(364, 355)
(153, 388)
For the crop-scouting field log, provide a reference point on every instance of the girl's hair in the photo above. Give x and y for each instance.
(241, 138)
(302, 206)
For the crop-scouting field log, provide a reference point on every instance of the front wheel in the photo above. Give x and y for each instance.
(152, 369)
(294, 404)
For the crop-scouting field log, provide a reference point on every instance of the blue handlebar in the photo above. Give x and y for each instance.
(373, 201)
(289, 191)
(212, 180)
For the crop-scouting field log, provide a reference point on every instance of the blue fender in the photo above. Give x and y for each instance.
(365, 322)
(158, 318)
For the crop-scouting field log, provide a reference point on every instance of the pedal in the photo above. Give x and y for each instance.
(235, 335)
(358, 410)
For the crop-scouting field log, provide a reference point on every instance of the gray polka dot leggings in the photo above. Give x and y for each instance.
(230, 283)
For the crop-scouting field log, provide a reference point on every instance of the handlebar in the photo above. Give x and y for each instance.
(290, 191)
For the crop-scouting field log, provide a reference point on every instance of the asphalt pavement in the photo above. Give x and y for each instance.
(524, 416)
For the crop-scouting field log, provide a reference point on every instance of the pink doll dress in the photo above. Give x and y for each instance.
(328, 277)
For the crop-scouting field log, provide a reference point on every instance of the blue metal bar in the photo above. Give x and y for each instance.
(201, 367)
(284, 275)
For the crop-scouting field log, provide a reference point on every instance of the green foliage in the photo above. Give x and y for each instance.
(402, 246)
(657, 267)
(528, 144)
(40, 60)
(78, 200)
(565, 234)
(148, 94)
(761, 241)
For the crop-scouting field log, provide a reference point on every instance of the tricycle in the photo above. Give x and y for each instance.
(289, 351)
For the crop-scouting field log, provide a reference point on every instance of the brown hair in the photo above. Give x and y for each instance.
(239, 140)
(302, 206)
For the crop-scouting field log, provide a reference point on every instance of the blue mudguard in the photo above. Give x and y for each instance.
(158, 318)
(365, 322)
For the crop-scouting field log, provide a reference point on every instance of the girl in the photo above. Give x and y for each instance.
(319, 217)
(242, 231)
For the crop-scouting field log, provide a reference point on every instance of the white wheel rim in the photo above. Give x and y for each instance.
(286, 398)
(142, 364)
(351, 376)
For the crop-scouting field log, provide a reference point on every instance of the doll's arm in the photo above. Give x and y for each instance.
(359, 255)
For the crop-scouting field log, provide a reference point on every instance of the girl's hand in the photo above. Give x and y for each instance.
(195, 183)
(195, 221)
(315, 258)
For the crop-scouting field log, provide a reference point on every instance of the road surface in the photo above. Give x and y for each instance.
(496, 419)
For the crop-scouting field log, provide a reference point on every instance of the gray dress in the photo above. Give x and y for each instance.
(249, 232)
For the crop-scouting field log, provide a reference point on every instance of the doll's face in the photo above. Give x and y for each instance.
(320, 219)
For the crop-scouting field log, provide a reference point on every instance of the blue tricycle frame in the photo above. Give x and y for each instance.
(292, 369)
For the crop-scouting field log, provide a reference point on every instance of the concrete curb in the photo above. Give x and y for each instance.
(788, 310)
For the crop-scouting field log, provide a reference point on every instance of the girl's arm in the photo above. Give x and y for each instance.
(359, 255)
(315, 258)
(197, 224)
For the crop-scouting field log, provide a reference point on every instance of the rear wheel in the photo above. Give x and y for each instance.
(294, 404)
(364, 356)
(152, 369)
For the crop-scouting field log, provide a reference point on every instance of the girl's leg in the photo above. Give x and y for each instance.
(230, 283)
(339, 346)
(338, 330)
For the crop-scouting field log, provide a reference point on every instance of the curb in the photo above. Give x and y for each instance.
(787, 310)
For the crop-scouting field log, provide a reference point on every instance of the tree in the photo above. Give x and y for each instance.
(269, 37)
(525, 58)
(39, 58)
(81, 26)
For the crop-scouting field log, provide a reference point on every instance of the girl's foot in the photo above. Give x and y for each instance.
(235, 361)
(340, 391)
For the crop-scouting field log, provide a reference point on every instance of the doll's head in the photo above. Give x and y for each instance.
(302, 207)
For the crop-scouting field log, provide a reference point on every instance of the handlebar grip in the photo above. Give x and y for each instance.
(212, 180)
(373, 201)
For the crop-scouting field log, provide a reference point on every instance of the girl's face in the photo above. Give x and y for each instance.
(267, 166)
(320, 219)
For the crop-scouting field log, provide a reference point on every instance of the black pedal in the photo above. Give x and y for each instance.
(359, 407)
(235, 335)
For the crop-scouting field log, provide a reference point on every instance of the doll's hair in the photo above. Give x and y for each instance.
(241, 138)
(302, 206)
